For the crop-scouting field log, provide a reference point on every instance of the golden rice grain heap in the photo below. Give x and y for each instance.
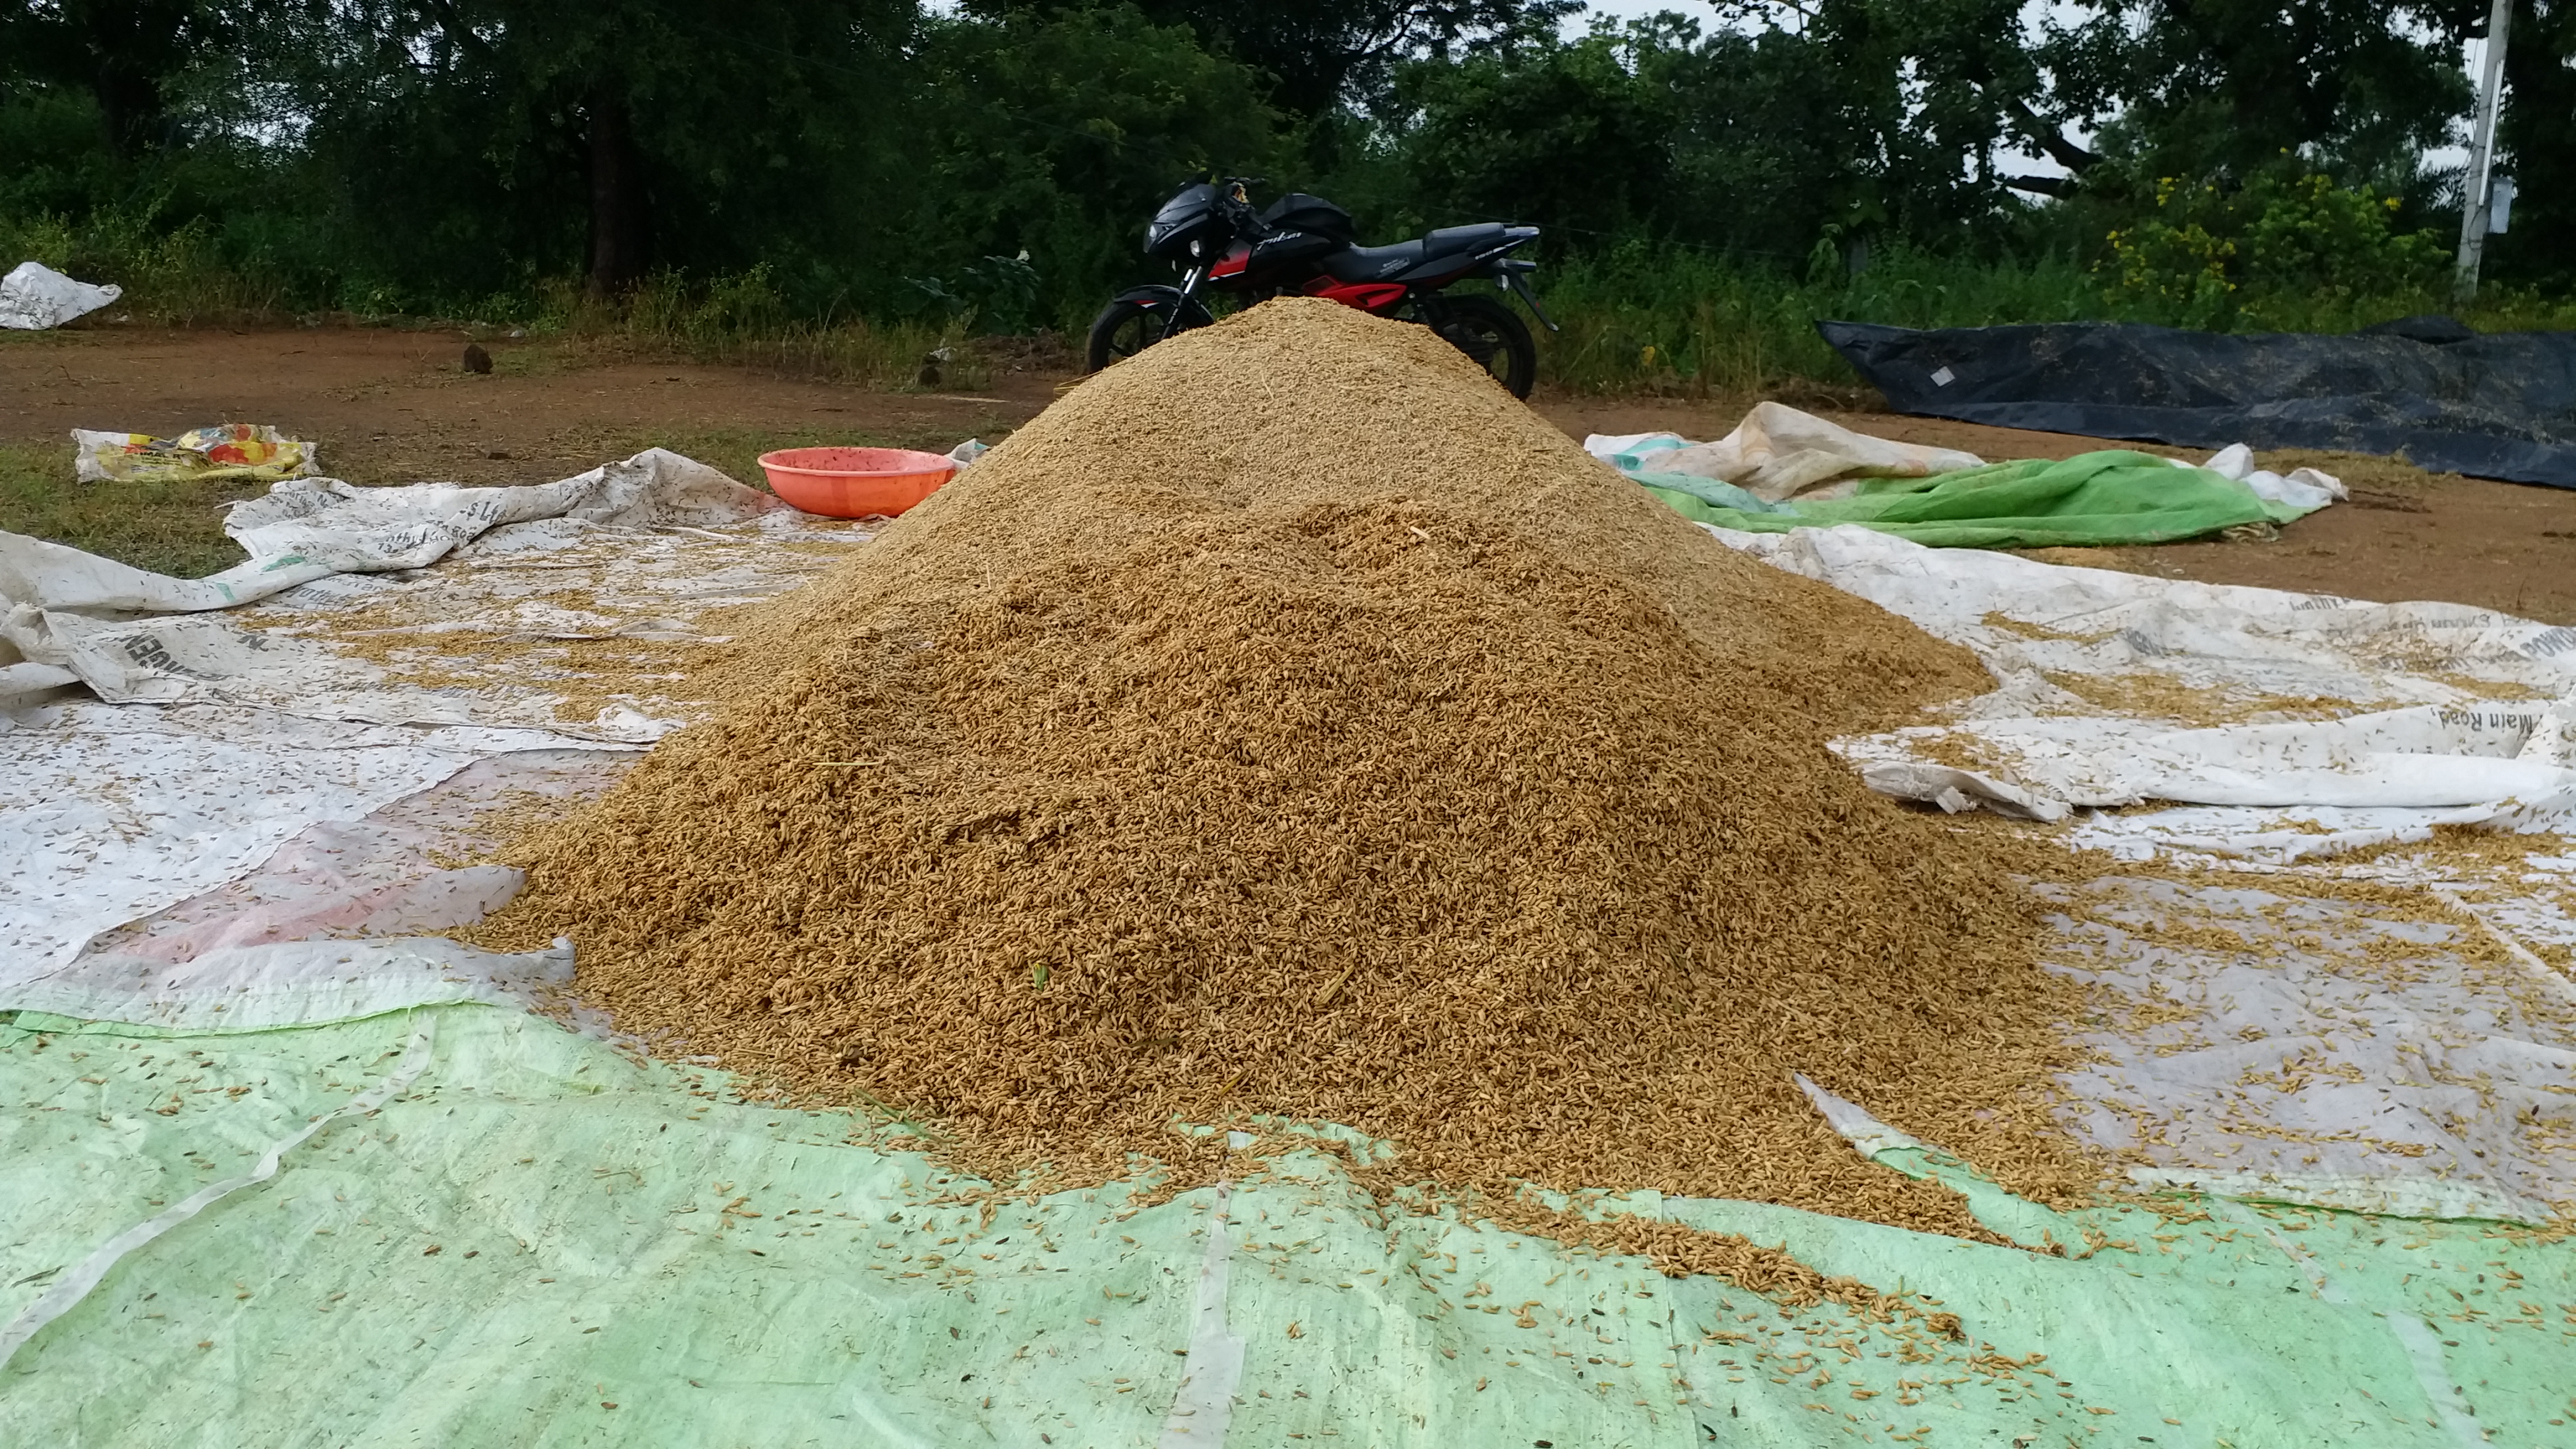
(1288, 723)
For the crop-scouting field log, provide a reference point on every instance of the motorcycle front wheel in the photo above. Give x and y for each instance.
(1125, 328)
(1490, 333)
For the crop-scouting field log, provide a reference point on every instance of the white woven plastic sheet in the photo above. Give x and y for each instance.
(2113, 688)
(157, 746)
(2342, 1052)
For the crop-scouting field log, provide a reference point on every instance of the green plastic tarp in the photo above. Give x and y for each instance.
(504, 1233)
(2103, 498)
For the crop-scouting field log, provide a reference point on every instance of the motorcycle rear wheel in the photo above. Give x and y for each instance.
(1126, 328)
(1489, 332)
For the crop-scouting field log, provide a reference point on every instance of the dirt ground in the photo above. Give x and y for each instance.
(392, 406)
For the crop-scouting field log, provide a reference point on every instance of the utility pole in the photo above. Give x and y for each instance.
(2476, 184)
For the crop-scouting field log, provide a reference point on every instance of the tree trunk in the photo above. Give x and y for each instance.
(130, 104)
(123, 77)
(620, 212)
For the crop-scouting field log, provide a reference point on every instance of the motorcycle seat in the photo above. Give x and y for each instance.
(1475, 237)
(1374, 264)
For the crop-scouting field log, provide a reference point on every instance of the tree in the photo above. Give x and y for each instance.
(2538, 143)
(1843, 118)
(1925, 92)
(1572, 137)
(665, 114)
(2203, 88)
(1322, 53)
(1058, 133)
(123, 52)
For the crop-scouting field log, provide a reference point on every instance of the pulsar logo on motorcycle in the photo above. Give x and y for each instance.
(1391, 268)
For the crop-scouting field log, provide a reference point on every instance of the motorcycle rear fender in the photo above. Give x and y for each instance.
(1494, 261)
(1149, 296)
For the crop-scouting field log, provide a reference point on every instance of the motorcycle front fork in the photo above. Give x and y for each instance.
(1180, 319)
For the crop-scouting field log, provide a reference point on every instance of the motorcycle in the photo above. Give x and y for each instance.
(1305, 245)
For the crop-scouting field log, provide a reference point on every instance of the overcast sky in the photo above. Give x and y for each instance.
(1648, 7)
(1698, 10)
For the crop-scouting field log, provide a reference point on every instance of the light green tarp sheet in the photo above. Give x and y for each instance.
(2110, 497)
(538, 1240)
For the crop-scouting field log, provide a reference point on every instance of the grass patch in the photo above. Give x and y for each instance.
(173, 528)
(1674, 321)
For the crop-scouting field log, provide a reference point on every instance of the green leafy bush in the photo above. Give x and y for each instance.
(2283, 249)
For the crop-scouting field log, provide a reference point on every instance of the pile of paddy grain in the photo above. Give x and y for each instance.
(1288, 723)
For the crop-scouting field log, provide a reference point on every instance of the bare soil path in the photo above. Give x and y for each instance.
(390, 406)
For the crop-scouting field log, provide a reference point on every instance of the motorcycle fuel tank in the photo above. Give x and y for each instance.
(1271, 254)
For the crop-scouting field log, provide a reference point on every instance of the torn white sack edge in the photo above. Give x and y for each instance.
(2305, 489)
(67, 1294)
(629, 577)
(2103, 621)
(2425, 757)
(1855, 1123)
(1203, 1405)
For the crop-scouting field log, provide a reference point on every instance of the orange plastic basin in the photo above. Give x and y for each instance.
(855, 482)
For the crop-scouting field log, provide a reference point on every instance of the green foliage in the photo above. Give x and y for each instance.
(1053, 137)
(2538, 137)
(998, 292)
(2221, 87)
(1316, 54)
(844, 186)
(1662, 318)
(2284, 246)
(1574, 137)
(1751, 141)
(132, 58)
(171, 275)
(54, 157)
(1685, 320)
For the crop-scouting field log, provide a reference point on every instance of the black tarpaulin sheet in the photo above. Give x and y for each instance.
(2495, 406)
